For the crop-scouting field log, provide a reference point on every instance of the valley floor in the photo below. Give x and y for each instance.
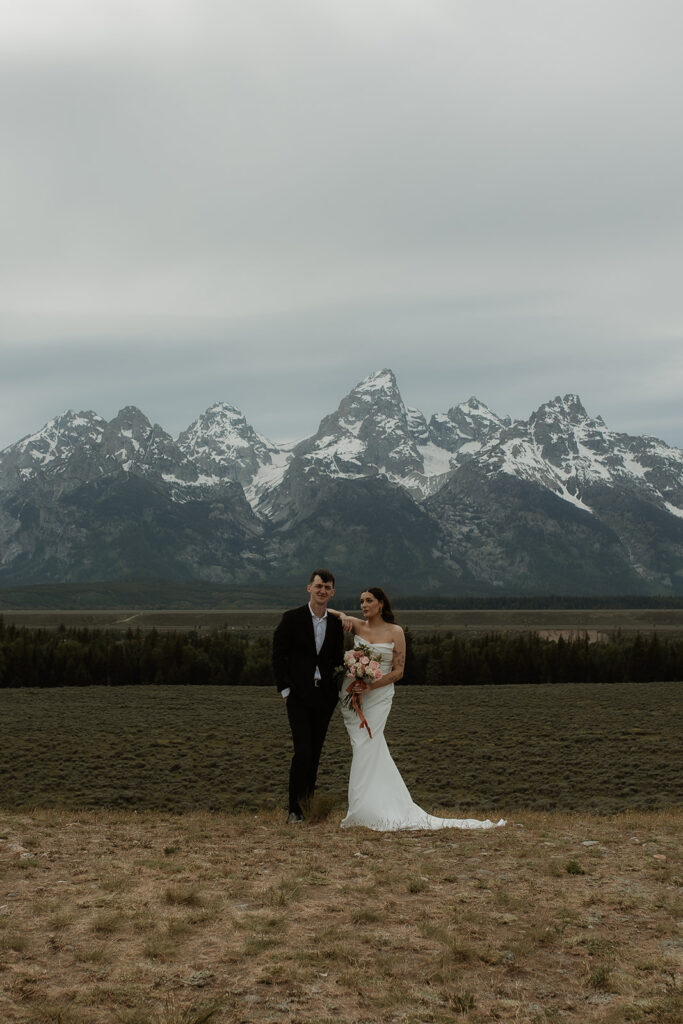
(551, 621)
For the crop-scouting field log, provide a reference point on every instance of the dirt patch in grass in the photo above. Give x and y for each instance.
(153, 918)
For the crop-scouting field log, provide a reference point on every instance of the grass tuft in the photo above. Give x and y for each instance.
(572, 867)
(462, 1002)
(183, 895)
(417, 884)
(319, 808)
(172, 1013)
(600, 978)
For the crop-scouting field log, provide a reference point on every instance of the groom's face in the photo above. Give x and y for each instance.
(320, 591)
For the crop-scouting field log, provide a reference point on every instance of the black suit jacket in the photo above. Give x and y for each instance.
(295, 658)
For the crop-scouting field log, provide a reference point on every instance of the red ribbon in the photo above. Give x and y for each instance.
(356, 704)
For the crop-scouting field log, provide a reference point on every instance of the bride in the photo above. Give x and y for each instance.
(378, 796)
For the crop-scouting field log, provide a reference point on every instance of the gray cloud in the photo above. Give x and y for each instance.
(262, 203)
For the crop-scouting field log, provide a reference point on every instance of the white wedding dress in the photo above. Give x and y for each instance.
(378, 796)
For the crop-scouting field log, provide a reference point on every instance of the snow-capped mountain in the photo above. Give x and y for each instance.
(465, 427)
(137, 446)
(372, 433)
(77, 447)
(564, 450)
(70, 441)
(86, 499)
(465, 502)
(562, 497)
(369, 433)
(223, 446)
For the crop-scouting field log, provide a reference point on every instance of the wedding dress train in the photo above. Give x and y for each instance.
(378, 796)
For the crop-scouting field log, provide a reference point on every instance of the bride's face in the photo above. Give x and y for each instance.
(369, 605)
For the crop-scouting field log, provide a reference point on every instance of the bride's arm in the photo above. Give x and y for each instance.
(349, 623)
(398, 663)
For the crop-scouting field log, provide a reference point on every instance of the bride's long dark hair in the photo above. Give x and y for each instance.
(386, 613)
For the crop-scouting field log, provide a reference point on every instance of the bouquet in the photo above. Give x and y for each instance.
(362, 669)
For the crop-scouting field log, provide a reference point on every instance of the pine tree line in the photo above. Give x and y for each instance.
(504, 659)
(98, 657)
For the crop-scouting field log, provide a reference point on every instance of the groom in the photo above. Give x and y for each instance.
(307, 647)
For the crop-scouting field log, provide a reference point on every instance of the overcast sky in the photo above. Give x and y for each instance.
(262, 202)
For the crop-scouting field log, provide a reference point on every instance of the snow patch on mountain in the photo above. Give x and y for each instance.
(268, 476)
(436, 460)
(673, 509)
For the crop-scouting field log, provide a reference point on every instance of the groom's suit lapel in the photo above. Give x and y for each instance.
(307, 628)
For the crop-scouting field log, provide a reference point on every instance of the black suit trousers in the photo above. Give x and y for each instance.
(308, 721)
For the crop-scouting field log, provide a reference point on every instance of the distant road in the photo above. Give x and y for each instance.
(552, 622)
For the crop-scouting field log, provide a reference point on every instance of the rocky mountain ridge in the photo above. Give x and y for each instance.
(467, 502)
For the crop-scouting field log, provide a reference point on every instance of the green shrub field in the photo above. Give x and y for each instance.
(479, 750)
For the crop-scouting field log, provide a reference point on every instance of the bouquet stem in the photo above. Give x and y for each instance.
(357, 705)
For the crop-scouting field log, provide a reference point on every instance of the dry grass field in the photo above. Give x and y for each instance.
(147, 875)
(117, 917)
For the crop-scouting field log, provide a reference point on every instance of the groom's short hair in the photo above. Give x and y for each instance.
(325, 575)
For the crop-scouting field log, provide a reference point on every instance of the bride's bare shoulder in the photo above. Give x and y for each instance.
(390, 633)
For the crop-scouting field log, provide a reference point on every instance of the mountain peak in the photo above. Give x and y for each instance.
(65, 422)
(224, 446)
(375, 396)
(474, 404)
(217, 421)
(56, 441)
(568, 407)
(370, 431)
(129, 418)
(380, 380)
(475, 410)
(223, 409)
(469, 423)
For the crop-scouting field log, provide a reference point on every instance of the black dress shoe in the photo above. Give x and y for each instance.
(294, 818)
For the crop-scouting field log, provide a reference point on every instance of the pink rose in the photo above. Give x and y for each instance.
(377, 673)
